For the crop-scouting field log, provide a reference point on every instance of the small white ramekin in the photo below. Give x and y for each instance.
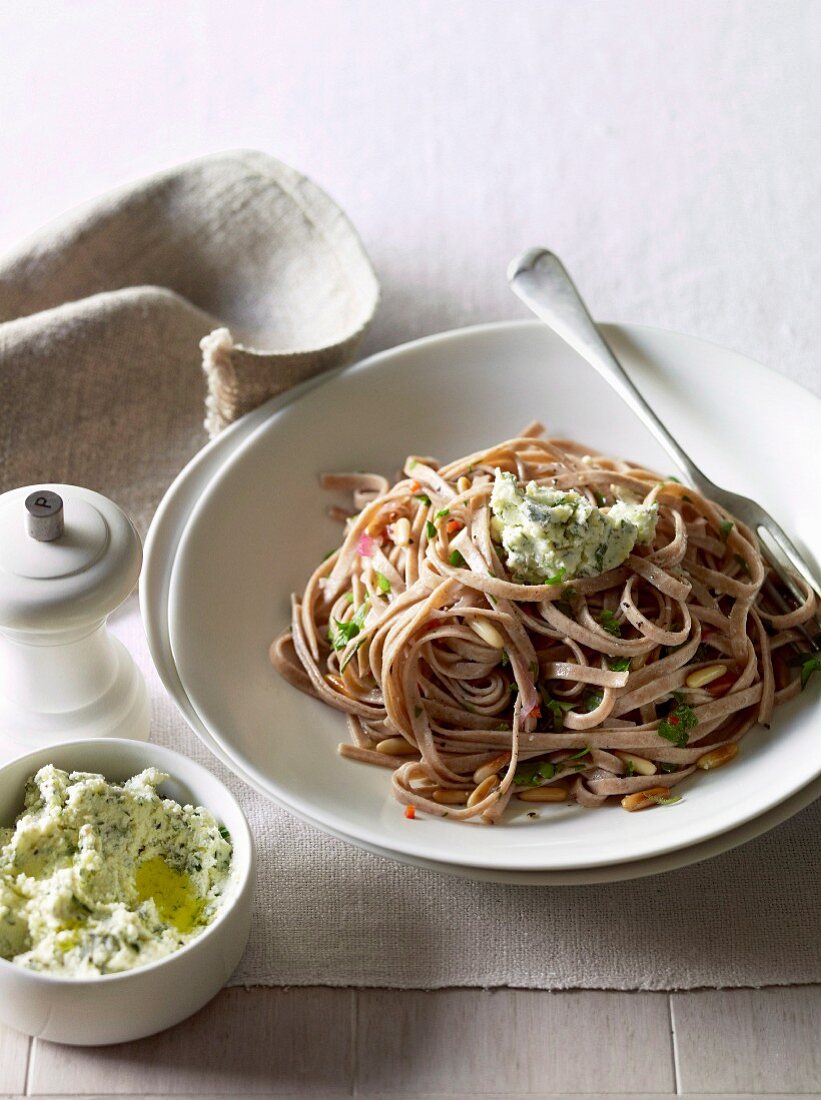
(117, 1008)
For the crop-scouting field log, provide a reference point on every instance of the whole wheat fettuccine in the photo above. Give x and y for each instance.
(450, 669)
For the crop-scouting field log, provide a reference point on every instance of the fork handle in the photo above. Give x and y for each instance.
(538, 277)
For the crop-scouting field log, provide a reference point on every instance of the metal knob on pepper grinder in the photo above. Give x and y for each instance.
(68, 558)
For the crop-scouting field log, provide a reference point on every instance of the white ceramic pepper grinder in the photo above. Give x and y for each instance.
(68, 558)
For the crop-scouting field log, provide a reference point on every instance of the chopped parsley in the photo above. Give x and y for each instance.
(504, 660)
(664, 800)
(442, 513)
(677, 725)
(382, 582)
(417, 711)
(576, 756)
(808, 668)
(343, 632)
(610, 623)
(556, 710)
(601, 499)
(725, 527)
(533, 773)
(592, 700)
(349, 597)
(456, 559)
(430, 530)
(224, 833)
(423, 497)
(557, 578)
(619, 664)
(667, 768)
(808, 663)
(629, 769)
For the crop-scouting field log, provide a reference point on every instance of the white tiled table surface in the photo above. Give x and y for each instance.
(318, 1042)
(669, 152)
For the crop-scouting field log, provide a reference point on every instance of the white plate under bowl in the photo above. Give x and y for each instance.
(259, 526)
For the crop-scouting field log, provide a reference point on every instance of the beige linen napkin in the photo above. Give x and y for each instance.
(102, 315)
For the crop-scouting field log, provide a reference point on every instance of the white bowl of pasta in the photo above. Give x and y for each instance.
(491, 692)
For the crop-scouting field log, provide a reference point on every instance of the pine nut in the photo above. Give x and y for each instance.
(450, 797)
(401, 531)
(704, 676)
(641, 800)
(425, 792)
(487, 632)
(543, 794)
(491, 768)
(640, 765)
(463, 484)
(483, 790)
(717, 758)
(396, 746)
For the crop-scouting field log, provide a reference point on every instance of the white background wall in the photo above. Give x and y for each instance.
(669, 150)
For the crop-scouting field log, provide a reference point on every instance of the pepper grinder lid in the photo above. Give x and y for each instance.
(68, 558)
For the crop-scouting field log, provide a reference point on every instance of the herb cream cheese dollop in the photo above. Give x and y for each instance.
(97, 878)
(551, 535)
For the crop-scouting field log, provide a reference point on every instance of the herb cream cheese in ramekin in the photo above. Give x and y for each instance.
(97, 878)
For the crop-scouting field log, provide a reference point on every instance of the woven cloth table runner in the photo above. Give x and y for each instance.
(101, 320)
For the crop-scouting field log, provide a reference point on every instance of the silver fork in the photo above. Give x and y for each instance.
(540, 280)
